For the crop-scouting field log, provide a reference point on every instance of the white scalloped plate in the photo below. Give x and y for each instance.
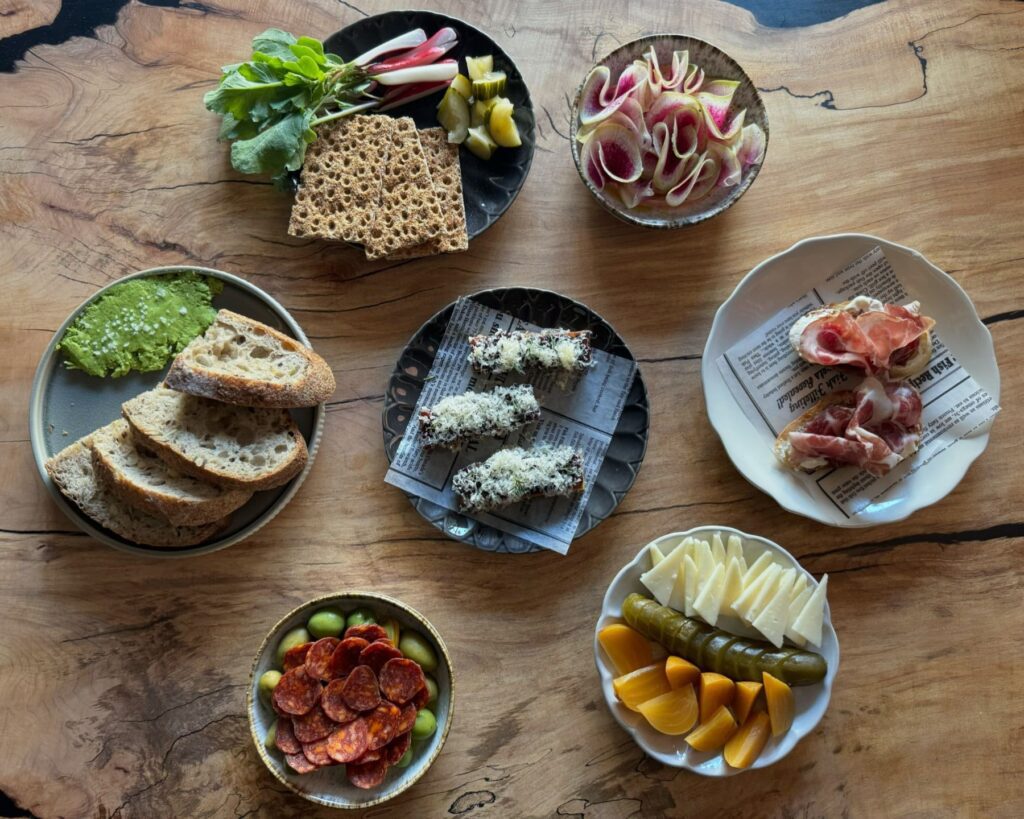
(811, 700)
(775, 283)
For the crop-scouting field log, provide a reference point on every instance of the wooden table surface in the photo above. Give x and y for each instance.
(123, 679)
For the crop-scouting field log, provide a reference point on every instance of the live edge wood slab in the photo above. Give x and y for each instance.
(122, 679)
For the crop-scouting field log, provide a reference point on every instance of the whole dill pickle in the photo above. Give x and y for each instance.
(712, 649)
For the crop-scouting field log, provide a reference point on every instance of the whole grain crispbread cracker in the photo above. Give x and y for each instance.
(446, 175)
(342, 178)
(409, 211)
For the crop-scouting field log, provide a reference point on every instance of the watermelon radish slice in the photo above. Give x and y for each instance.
(752, 144)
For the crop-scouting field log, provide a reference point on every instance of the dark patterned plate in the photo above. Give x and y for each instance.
(490, 186)
(546, 309)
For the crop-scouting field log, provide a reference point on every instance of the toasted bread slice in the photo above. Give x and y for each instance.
(141, 478)
(73, 472)
(233, 447)
(242, 361)
(783, 449)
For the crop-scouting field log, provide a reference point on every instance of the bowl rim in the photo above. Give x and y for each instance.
(90, 527)
(829, 633)
(683, 221)
(362, 596)
(709, 373)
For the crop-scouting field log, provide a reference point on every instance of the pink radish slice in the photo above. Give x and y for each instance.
(730, 133)
(669, 169)
(680, 66)
(730, 171)
(631, 115)
(619, 152)
(633, 193)
(696, 184)
(752, 144)
(694, 79)
(631, 78)
(595, 95)
(715, 103)
(591, 164)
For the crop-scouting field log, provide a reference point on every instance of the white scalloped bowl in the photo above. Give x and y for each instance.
(811, 700)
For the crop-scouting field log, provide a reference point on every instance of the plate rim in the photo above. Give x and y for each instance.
(709, 373)
(323, 599)
(531, 143)
(604, 614)
(36, 435)
(638, 377)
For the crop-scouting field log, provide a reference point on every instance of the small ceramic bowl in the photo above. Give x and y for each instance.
(717, 65)
(811, 700)
(329, 786)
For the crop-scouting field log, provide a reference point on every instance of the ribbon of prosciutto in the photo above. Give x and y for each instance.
(863, 333)
(874, 427)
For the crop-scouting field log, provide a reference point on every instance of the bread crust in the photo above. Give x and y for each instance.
(315, 386)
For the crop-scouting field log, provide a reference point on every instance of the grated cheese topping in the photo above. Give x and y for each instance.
(494, 414)
(513, 475)
(520, 350)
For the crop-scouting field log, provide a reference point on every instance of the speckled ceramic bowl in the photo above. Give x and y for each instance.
(716, 64)
(329, 786)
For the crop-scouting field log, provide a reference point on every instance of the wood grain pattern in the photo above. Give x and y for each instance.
(123, 679)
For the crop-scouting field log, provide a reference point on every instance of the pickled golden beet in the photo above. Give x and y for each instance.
(641, 685)
(715, 650)
(672, 713)
(681, 672)
(714, 733)
(627, 649)
(781, 704)
(744, 699)
(746, 744)
(715, 691)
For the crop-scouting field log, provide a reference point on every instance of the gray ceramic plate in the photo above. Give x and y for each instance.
(716, 64)
(67, 404)
(329, 786)
(546, 309)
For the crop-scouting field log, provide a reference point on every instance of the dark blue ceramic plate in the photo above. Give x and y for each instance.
(488, 187)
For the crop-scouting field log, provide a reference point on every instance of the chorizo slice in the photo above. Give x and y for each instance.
(368, 774)
(296, 693)
(286, 741)
(395, 750)
(316, 752)
(333, 703)
(381, 723)
(299, 763)
(402, 679)
(313, 725)
(295, 656)
(346, 657)
(348, 742)
(318, 658)
(378, 653)
(368, 631)
(361, 692)
(406, 719)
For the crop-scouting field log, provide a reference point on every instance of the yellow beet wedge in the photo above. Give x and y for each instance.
(673, 713)
(715, 690)
(641, 685)
(714, 733)
(743, 702)
(627, 649)
(746, 744)
(781, 705)
(681, 672)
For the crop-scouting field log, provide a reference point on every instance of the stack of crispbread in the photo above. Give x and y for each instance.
(378, 182)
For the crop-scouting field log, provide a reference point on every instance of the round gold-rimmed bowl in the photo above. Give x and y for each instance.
(329, 786)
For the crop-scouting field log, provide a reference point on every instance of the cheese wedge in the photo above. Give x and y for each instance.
(690, 584)
(808, 622)
(757, 568)
(655, 553)
(732, 585)
(773, 618)
(717, 548)
(704, 559)
(709, 600)
(660, 578)
(798, 586)
(751, 591)
(734, 548)
(677, 600)
(778, 577)
(796, 605)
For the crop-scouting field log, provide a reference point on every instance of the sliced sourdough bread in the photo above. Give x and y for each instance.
(241, 361)
(73, 472)
(233, 447)
(141, 478)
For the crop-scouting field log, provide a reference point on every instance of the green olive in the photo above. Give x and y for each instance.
(413, 646)
(268, 682)
(295, 637)
(425, 724)
(393, 629)
(326, 623)
(270, 740)
(406, 758)
(360, 617)
(432, 688)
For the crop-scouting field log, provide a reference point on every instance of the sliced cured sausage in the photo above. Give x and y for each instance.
(360, 691)
(296, 693)
(367, 631)
(316, 752)
(422, 698)
(368, 774)
(378, 653)
(381, 725)
(298, 763)
(313, 726)
(285, 740)
(333, 702)
(395, 750)
(318, 658)
(348, 742)
(346, 657)
(369, 756)
(406, 719)
(295, 656)
(401, 679)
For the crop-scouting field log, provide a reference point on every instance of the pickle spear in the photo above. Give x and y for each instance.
(715, 650)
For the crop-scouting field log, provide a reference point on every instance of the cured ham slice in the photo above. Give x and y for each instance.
(862, 333)
(874, 427)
